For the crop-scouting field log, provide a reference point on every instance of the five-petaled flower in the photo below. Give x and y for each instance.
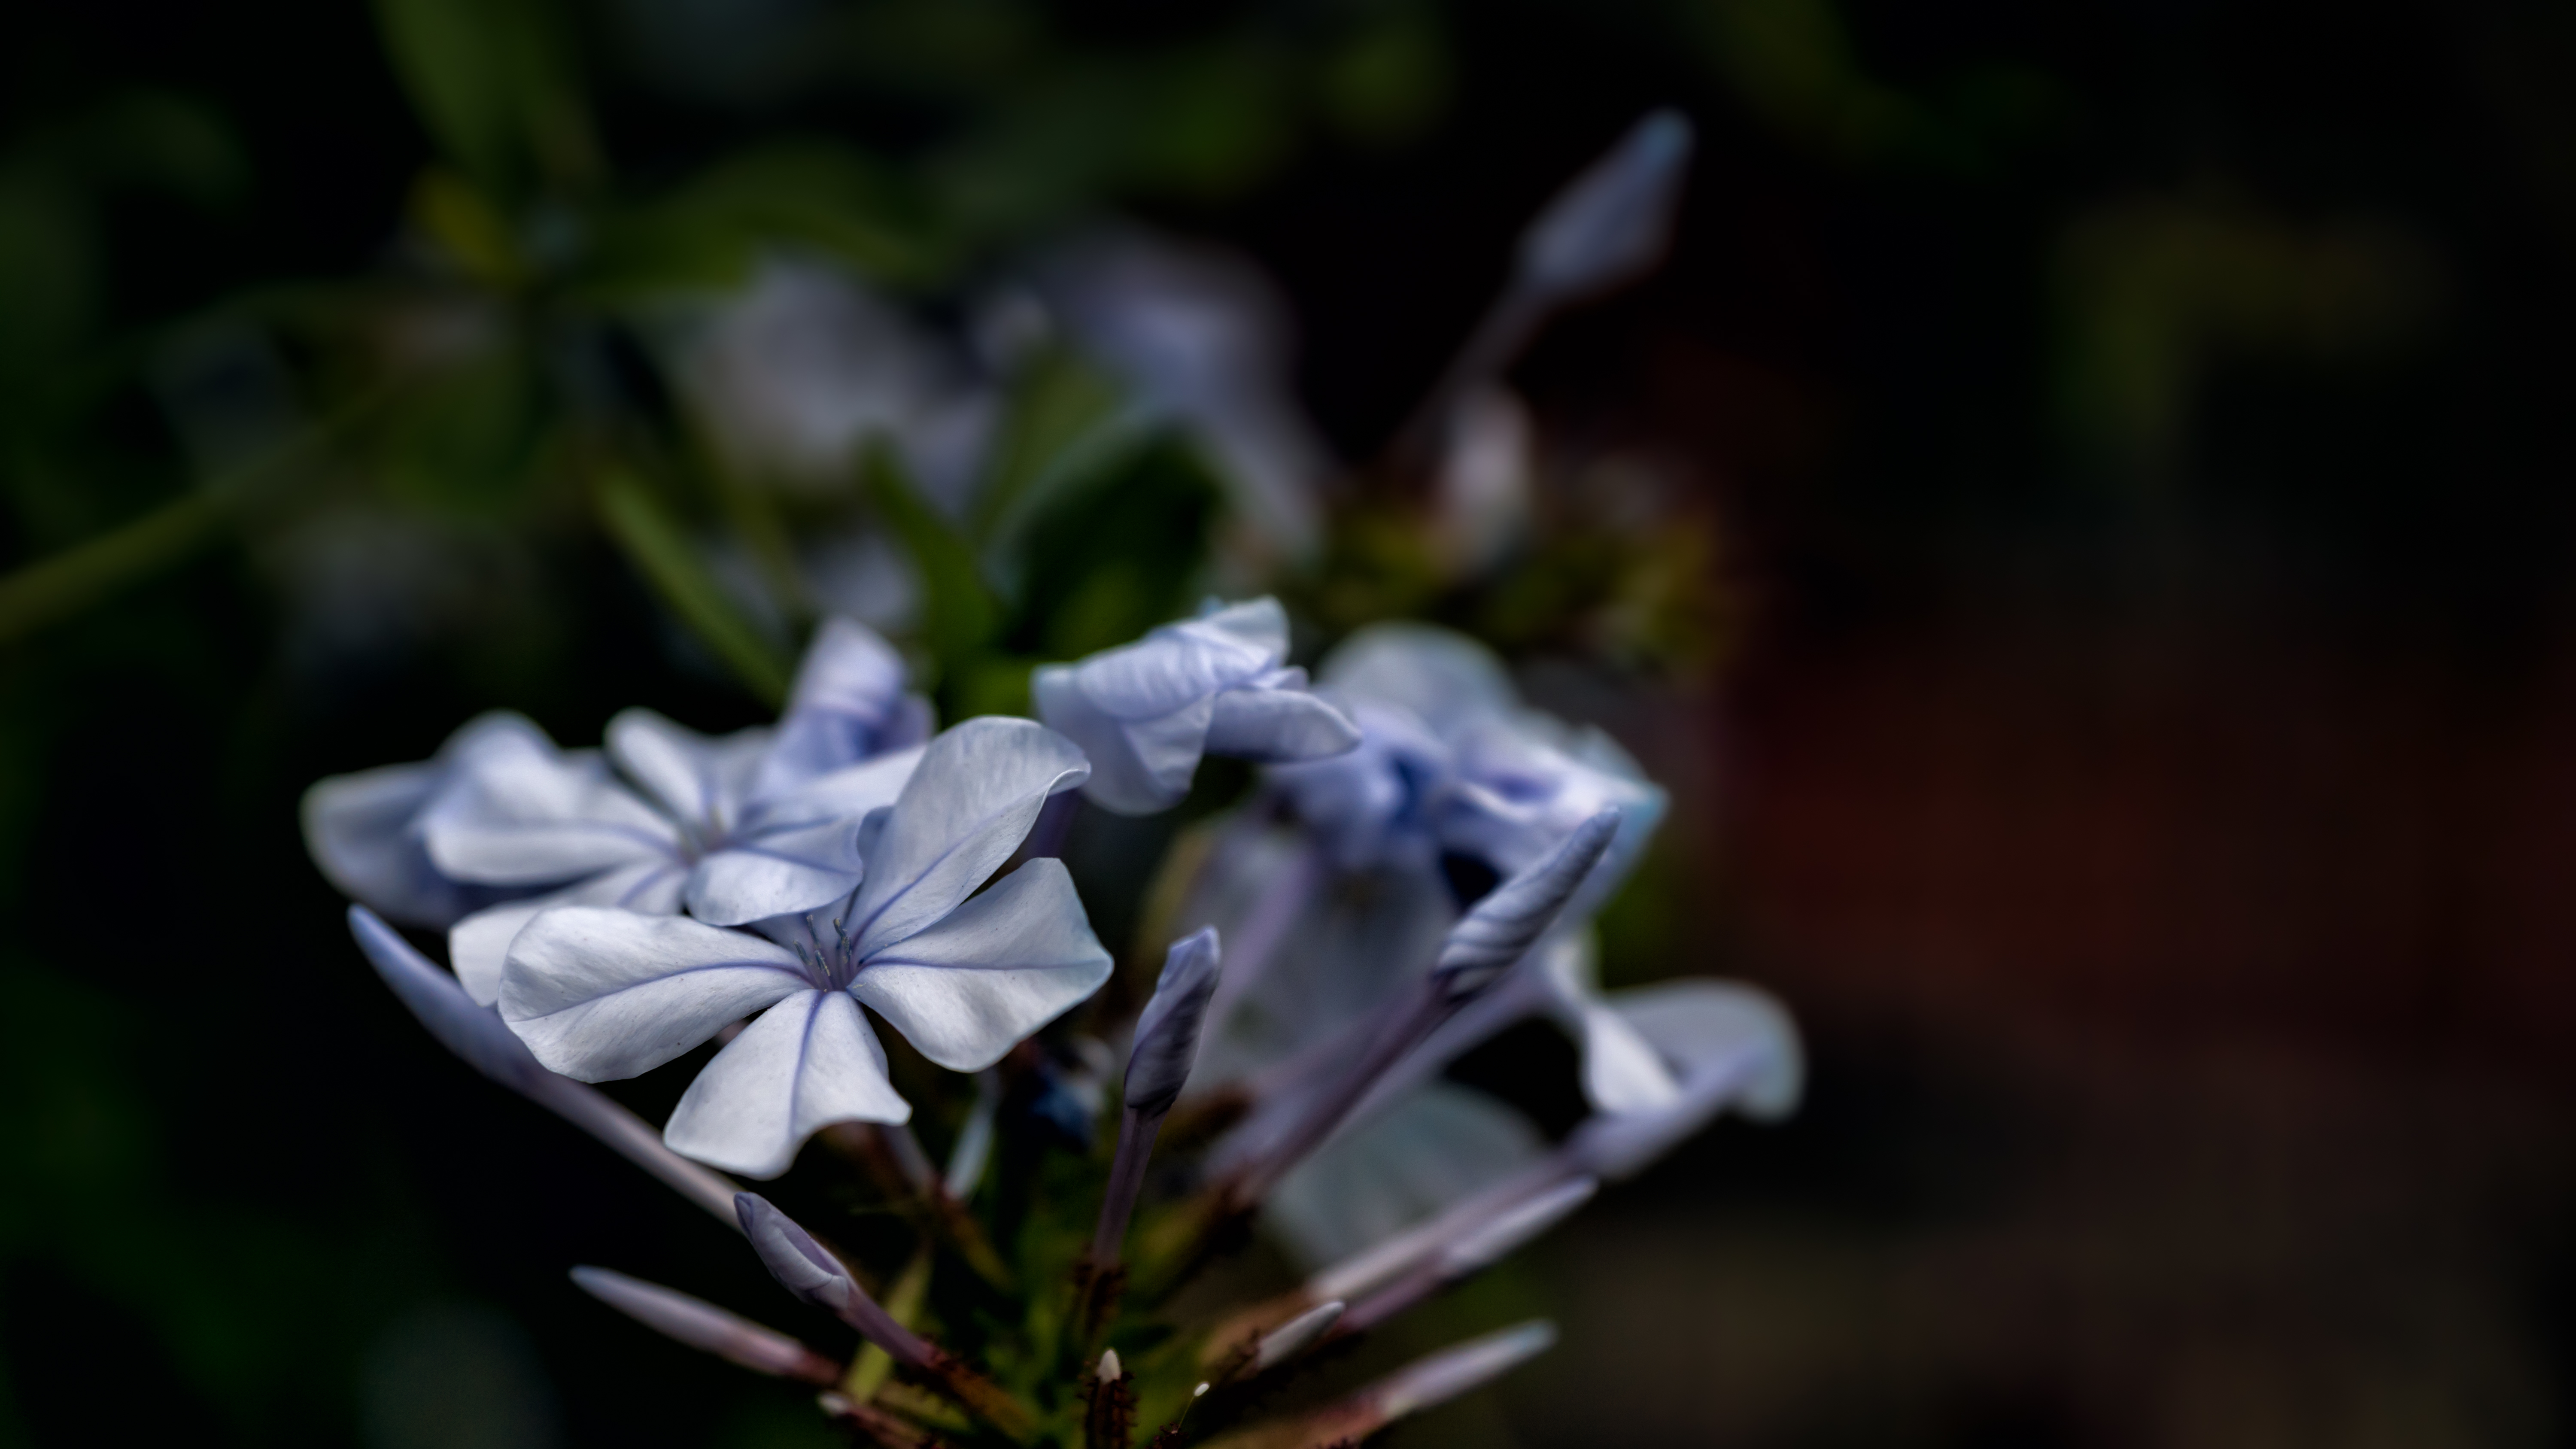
(600, 993)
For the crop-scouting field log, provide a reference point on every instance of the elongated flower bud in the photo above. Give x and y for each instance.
(1167, 1034)
(703, 1326)
(1512, 1229)
(1500, 929)
(477, 1034)
(1296, 1335)
(807, 1269)
(1459, 1369)
(1612, 221)
(473, 1032)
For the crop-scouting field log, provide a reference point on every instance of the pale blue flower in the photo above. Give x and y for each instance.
(365, 829)
(1146, 713)
(733, 829)
(604, 993)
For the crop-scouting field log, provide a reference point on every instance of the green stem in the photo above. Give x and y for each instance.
(662, 552)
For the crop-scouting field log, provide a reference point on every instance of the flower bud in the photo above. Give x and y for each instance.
(1500, 929)
(1510, 1230)
(1296, 1335)
(1611, 222)
(1461, 1368)
(807, 1269)
(704, 1326)
(1167, 1034)
(473, 1032)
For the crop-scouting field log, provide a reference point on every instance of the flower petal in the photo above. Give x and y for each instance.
(1178, 663)
(524, 813)
(700, 780)
(963, 812)
(479, 944)
(852, 790)
(848, 704)
(601, 994)
(1442, 676)
(363, 829)
(1621, 1070)
(999, 967)
(1271, 726)
(777, 872)
(1124, 780)
(806, 1063)
(1437, 1147)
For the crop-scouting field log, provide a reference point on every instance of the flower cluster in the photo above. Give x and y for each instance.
(1414, 867)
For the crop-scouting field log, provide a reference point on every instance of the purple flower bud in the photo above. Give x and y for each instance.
(1612, 221)
(807, 1269)
(1511, 1229)
(1296, 1335)
(1167, 1034)
(1460, 1368)
(1500, 929)
(473, 1032)
(704, 1326)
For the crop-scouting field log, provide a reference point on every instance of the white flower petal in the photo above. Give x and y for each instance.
(359, 828)
(999, 967)
(852, 790)
(1271, 726)
(1178, 663)
(702, 781)
(479, 944)
(1440, 675)
(806, 1063)
(601, 994)
(848, 705)
(1621, 1070)
(1122, 780)
(963, 812)
(776, 872)
(1438, 1147)
(526, 814)
(472, 1031)
(1699, 1025)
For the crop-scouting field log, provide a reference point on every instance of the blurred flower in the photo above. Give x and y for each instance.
(758, 823)
(793, 375)
(1205, 341)
(1147, 712)
(603, 993)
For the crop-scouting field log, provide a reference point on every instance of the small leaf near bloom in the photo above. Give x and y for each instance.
(1146, 713)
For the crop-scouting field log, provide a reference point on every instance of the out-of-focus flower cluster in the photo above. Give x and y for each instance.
(1406, 860)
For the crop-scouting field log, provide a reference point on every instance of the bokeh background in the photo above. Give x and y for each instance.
(2129, 709)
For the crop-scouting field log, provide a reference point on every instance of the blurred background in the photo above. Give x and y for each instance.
(2081, 522)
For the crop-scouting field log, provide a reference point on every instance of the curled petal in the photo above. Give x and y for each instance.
(964, 811)
(1698, 1025)
(848, 705)
(1443, 677)
(1274, 726)
(601, 994)
(1179, 663)
(806, 1063)
(1002, 965)
(1138, 767)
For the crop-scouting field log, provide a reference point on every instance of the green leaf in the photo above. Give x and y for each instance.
(660, 548)
(704, 234)
(493, 85)
(964, 618)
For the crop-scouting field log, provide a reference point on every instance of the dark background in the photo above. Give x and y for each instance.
(2146, 762)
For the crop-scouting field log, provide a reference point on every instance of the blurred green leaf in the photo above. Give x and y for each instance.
(464, 443)
(1066, 419)
(493, 84)
(660, 548)
(1110, 559)
(705, 234)
(963, 616)
(1390, 80)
